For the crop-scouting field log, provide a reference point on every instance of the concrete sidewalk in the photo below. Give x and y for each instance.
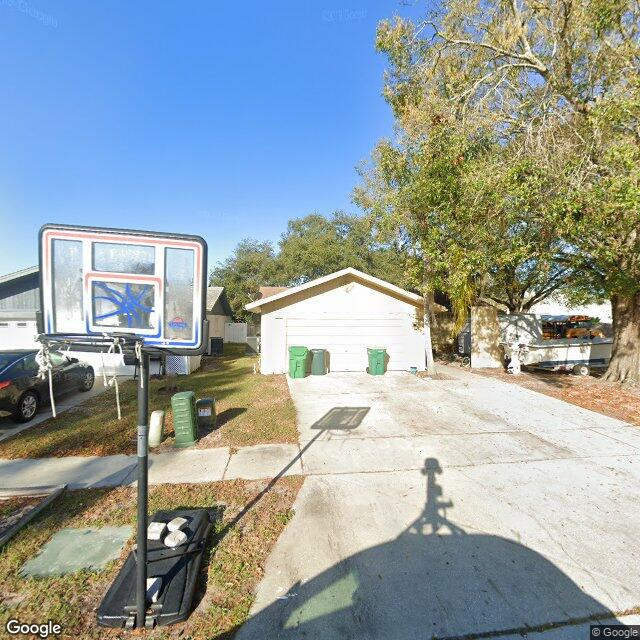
(185, 465)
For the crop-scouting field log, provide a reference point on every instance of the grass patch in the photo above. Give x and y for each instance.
(232, 566)
(252, 409)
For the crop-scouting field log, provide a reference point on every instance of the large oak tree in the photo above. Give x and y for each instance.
(518, 125)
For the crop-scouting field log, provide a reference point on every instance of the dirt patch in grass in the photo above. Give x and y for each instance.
(252, 409)
(437, 375)
(252, 516)
(609, 398)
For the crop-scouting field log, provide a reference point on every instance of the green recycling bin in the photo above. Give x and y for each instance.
(318, 362)
(185, 418)
(298, 357)
(377, 359)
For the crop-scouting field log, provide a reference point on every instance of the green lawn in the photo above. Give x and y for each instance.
(233, 564)
(252, 409)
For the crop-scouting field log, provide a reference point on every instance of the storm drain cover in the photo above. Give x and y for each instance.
(71, 550)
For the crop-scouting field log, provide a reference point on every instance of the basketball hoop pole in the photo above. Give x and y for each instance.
(143, 454)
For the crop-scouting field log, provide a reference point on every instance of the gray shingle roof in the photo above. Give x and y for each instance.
(213, 293)
(217, 302)
(19, 274)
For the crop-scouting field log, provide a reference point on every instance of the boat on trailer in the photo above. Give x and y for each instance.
(569, 354)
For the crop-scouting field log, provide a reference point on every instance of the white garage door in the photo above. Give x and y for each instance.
(347, 340)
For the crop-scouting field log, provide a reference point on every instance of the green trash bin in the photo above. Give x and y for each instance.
(298, 357)
(377, 359)
(185, 418)
(318, 362)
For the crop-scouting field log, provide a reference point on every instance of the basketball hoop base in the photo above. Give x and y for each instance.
(177, 568)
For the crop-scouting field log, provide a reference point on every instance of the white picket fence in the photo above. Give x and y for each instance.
(235, 332)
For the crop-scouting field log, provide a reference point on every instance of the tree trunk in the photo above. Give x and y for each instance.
(625, 354)
(428, 345)
(428, 317)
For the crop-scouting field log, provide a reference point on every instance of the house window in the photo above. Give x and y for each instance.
(4, 324)
(22, 324)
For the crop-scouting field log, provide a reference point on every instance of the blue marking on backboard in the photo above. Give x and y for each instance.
(127, 304)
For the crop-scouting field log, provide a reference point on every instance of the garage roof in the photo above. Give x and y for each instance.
(267, 292)
(350, 271)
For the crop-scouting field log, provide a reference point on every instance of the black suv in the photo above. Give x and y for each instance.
(22, 391)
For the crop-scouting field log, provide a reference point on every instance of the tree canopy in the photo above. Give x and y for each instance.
(514, 171)
(311, 247)
(315, 246)
(250, 266)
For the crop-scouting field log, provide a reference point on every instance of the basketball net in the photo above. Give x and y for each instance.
(45, 365)
(112, 382)
(43, 360)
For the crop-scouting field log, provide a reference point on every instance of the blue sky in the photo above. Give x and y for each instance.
(222, 119)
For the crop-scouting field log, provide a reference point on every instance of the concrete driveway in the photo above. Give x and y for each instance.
(450, 508)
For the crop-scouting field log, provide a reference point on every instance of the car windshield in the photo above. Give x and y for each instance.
(57, 359)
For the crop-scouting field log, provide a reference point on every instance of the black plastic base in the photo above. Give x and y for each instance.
(178, 568)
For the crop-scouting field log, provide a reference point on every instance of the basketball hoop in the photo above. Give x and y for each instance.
(135, 293)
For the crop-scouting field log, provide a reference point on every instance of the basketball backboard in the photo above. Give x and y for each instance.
(144, 284)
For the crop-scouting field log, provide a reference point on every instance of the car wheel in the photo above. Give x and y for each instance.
(87, 380)
(27, 407)
(581, 370)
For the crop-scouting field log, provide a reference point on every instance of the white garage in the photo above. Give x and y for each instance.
(344, 313)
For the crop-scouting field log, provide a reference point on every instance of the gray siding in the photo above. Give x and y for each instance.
(21, 294)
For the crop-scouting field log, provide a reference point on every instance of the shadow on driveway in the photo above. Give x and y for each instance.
(341, 419)
(435, 580)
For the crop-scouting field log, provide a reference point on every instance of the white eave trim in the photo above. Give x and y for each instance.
(381, 284)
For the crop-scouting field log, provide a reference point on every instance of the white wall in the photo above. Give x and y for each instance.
(350, 317)
(235, 332)
(485, 338)
(520, 326)
(216, 325)
(110, 363)
(18, 334)
(558, 307)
